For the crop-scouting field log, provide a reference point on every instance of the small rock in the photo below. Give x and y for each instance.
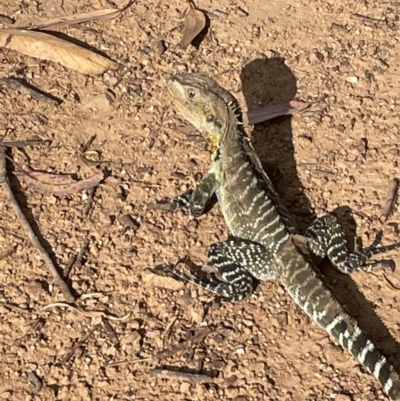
(127, 221)
(159, 47)
(248, 322)
(353, 79)
(342, 397)
(316, 57)
(231, 379)
(241, 12)
(383, 65)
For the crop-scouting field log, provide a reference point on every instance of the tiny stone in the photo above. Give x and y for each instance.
(231, 379)
(192, 225)
(159, 47)
(381, 64)
(127, 221)
(241, 12)
(248, 322)
(316, 57)
(352, 79)
(342, 397)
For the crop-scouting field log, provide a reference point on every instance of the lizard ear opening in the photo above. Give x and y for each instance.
(191, 94)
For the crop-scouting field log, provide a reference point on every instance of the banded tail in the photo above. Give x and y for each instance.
(308, 291)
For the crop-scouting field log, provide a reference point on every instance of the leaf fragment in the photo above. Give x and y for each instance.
(390, 200)
(60, 184)
(74, 19)
(48, 47)
(271, 111)
(195, 22)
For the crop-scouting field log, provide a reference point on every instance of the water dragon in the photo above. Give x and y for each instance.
(264, 243)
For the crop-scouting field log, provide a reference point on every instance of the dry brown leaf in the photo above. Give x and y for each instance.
(93, 314)
(195, 22)
(47, 47)
(271, 111)
(59, 184)
(60, 22)
(390, 200)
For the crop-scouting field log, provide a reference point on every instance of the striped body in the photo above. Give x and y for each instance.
(307, 290)
(253, 212)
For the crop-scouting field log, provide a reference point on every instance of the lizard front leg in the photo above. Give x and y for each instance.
(194, 201)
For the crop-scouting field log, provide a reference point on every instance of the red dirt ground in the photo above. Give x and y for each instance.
(343, 151)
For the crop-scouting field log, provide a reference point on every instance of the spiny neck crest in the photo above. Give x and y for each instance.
(233, 126)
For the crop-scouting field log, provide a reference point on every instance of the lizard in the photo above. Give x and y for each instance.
(265, 243)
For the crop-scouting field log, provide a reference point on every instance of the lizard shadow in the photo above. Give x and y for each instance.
(269, 81)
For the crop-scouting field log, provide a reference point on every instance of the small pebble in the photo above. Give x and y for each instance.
(383, 65)
(352, 79)
(241, 12)
(159, 47)
(316, 57)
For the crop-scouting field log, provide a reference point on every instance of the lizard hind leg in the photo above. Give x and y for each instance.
(237, 262)
(235, 283)
(328, 239)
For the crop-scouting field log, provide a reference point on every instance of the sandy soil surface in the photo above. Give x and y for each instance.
(343, 151)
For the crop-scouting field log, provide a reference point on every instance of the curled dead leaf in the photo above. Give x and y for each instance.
(59, 184)
(48, 47)
(391, 199)
(271, 111)
(391, 284)
(195, 22)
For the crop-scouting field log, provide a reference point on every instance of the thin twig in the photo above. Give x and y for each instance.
(198, 337)
(86, 145)
(88, 207)
(15, 308)
(168, 329)
(23, 144)
(76, 259)
(183, 376)
(24, 87)
(391, 285)
(110, 331)
(120, 363)
(166, 353)
(366, 18)
(71, 352)
(25, 224)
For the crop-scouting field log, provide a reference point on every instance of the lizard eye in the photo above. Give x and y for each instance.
(191, 94)
(210, 118)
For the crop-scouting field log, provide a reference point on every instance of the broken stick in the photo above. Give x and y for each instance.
(25, 224)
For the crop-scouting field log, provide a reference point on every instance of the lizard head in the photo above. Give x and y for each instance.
(204, 103)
